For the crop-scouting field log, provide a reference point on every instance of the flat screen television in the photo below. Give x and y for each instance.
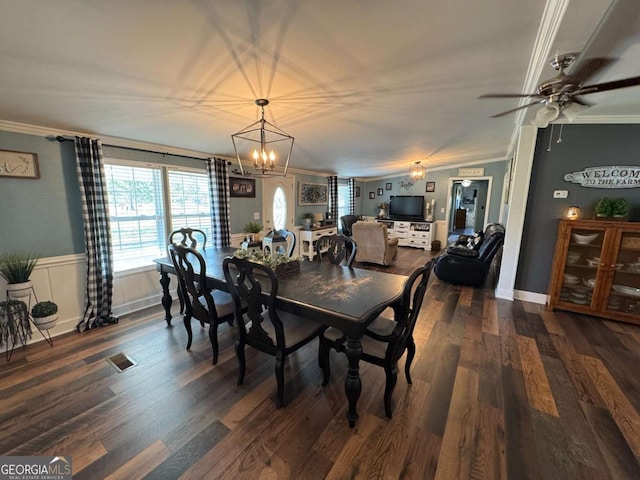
(406, 207)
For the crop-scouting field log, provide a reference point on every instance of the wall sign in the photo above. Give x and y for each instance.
(606, 177)
(470, 172)
(18, 164)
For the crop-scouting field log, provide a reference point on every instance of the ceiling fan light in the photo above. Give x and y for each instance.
(417, 171)
(571, 111)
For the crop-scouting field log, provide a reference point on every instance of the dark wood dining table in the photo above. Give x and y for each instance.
(340, 297)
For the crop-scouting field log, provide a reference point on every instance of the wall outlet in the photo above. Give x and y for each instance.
(560, 193)
(256, 215)
(442, 210)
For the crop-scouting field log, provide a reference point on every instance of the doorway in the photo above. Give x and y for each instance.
(467, 206)
(278, 207)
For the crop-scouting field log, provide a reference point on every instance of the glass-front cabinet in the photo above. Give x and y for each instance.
(596, 269)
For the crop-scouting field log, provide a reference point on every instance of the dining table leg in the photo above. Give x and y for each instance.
(352, 384)
(166, 297)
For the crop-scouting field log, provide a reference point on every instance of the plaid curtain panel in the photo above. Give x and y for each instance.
(333, 197)
(352, 196)
(219, 193)
(97, 234)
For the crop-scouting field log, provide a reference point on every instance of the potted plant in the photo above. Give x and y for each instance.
(617, 208)
(45, 315)
(307, 217)
(253, 229)
(16, 269)
(14, 317)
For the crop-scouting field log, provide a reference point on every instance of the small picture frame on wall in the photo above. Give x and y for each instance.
(431, 186)
(388, 186)
(357, 192)
(380, 192)
(372, 195)
(242, 187)
(19, 164)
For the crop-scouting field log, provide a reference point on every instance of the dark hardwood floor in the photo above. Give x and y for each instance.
(500, 390)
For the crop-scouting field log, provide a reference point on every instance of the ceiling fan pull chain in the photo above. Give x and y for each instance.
(560, 134)
(550, 138)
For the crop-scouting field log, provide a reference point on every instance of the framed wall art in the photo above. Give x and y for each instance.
(19, 164)
(312, 194)
(242, 187)
(372, 195)
(388, 186)
(431, 186)
(380, 192)
(357, 192)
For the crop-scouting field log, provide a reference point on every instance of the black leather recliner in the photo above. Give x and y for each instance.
(466, 266)
(347, 221)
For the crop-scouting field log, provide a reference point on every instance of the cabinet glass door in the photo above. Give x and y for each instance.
(583, 266)
(624, 292)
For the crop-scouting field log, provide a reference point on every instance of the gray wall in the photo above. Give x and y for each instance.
(45, 215)
(582, 146)
(441, 177)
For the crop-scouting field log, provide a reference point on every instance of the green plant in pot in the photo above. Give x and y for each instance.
(612, 208)
(16, 269)
(307, 217)
(254, 229)
(45, 315)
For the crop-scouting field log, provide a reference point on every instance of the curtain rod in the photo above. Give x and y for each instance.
(60, 138)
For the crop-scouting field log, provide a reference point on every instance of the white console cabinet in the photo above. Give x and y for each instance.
(308, 239)
(411, 233)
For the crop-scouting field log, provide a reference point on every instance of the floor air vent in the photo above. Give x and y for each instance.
(121, 362)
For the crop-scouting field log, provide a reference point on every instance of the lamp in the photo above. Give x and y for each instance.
(573, 212)
(262, 144)
(417, 171)
(548, 113)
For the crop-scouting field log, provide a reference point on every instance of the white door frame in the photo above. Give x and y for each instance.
(449, 199)
(269, 186)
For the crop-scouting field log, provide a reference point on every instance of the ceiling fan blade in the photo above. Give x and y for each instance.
(588, 69)
(581, 101)
(603, 87)
(509, 95)
(514, 109)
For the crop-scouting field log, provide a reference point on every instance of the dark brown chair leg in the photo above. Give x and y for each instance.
(324, 349)
(411, 352)
(280, 378)
(392, 377)
(187, 325)
(241, 361)
(213, 337)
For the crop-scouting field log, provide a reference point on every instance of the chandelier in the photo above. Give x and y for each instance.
(417, 171)
(262, 145)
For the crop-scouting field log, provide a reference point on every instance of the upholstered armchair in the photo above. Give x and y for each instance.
(374, 244)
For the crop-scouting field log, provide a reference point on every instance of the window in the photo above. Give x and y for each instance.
(343, 200)
(279, 209)
(141, 220)
(190, 201)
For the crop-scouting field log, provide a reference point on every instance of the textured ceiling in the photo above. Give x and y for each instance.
(366, 87)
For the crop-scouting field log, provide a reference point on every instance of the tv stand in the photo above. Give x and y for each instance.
(411, 233)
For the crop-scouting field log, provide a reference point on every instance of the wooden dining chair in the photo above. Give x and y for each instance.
(338, 249)
(386, 338)
(189, 237)
(262, 326)
(209, 306)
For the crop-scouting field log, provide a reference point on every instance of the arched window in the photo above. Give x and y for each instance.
(279, 209)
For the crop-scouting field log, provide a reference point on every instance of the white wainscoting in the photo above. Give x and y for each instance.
(62, 280)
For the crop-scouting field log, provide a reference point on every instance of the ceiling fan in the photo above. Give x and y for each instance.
(562, 93)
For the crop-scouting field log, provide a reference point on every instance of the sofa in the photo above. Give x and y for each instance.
(464, 265)
(373, 243)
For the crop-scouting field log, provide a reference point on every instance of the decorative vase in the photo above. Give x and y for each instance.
(381, 213)
(19, 290)
(45, 323)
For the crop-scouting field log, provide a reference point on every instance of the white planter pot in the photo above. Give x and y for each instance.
(20, 290)
(45, 323)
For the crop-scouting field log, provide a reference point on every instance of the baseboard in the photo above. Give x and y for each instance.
(533, 297)
(503, 293)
